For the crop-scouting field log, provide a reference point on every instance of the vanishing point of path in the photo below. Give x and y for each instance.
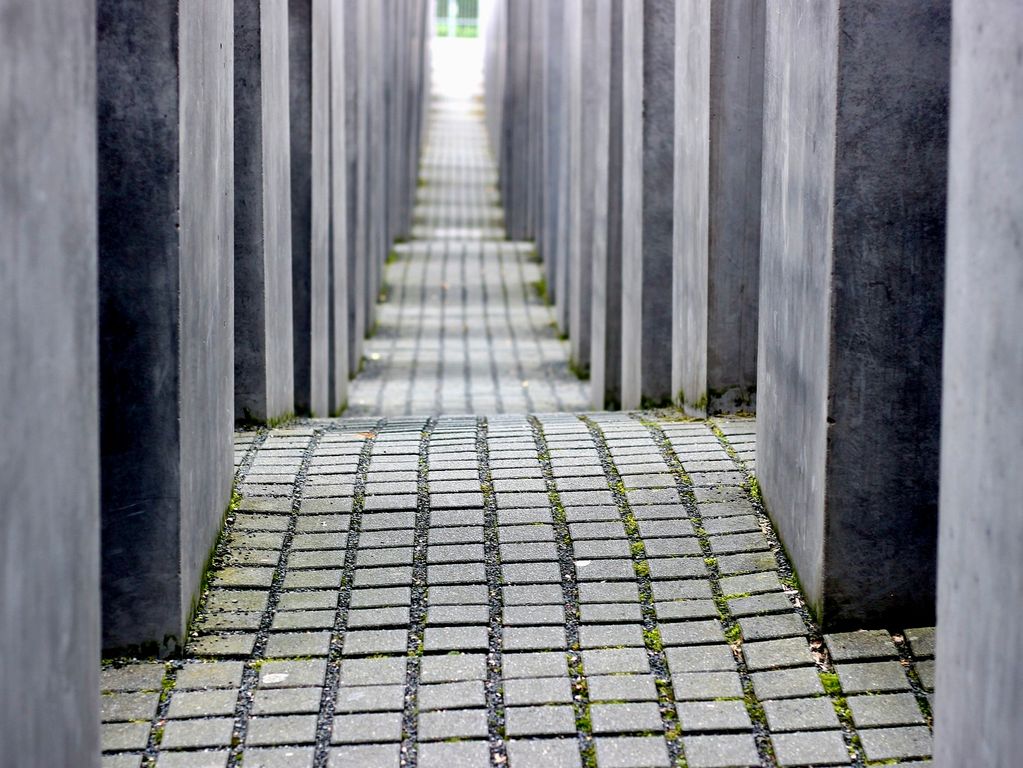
(398, 588)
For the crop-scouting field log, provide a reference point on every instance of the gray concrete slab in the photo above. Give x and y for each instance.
(851, 298)
(582, 104)
(49, 463)
(166, 244)
(606, 329)
(263, 324)
(719, 88)
(554, 112)
(562, 282)
(337, 267)
(980, 551)
(308, 48)
(648, 118)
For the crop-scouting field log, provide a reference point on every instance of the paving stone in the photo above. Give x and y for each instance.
(373, 618)
(534, 638)
(286, 701)
(926, 670)
(885, 710)
(279, 757)
(703, 716)
(533, 615)
(122, 707)
(537, 690)
(292, 674)
(684, 589)
(445, 615)
(618, 592)
(211, 703)
(622, 687)
(133, 677)
(215, 674)
(203, 759)
(773, 626)
(700, 658)
(896, 743)
(380, 597)
(366, 728)
(118, 737)
(190, 734)
(457, 667)
(810, 749)
(366, 756)
(776, 654)
(221, 645)
(284, 729)
(617, 660)
(632, 752)
(470, 638)
(384, 556)
(294, 620)
(463, 695)
(453, 724)
(601, 570)
(672, 547)
(800, 714)
(720, 751)
(708, 631)
(861, 645)
(459, 594)
(539, 721)
(465, 754)
(610, 635)
(633, 717)
(463, 573)
(122, 761)
(706, 686)
(876, 677)
(771, 602)
(375, 641)
(530, 573)
(787, 683)
(536, 664)
(921, 641)
(549, 753)
(284, 644)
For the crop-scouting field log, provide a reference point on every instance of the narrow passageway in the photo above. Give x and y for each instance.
(461, 327)
(466, 571)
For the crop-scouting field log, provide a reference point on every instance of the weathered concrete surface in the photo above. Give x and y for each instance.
(354, 194)
(263, 324)
(719, 70)
(851, 300)
(49, 465)
(980, 551)
(337, 351)
(554, 114)
(582, 104)
(308, 48)
(606, 328)
(648, 111)
(166, 245)
(376, 194)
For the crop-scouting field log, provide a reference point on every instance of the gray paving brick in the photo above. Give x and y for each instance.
(808, 714)
(279, 757)
(369, 698)
(286, 701)
(465, 754)
(713, 716)
(810, 749)
(720, 751)
(787, 683)
(281, 729)
(463, 695)
(885, 710)
(220, 702)
(454, 668)
(366, 756)
(876, 677)
(861, 645)
(632, 717)
(539, 721)
(190, 734)
(368, 728)
(632, 752)
(550, 753)
(453, 724)
(896, 743)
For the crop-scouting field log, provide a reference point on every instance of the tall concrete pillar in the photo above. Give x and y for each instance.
(719, 96)
(606, 333)
(308, 52)
(980, 550)
(264, 384)
(851, 298)
(355, 192)
(49, 460)
(562, 183)
(648, 120)
(166, 244)
(337, 352)
(553, 115)
(582, 103)
(375, 56)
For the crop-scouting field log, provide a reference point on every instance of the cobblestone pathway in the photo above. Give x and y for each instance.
(533, 590)
(463, 329)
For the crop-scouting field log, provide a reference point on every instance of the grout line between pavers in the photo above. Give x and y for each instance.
(825, 667)
(328, 698)
(250, 670)
(494, 687)
(641, 567)
(418, 607)
(570, 593)
(151, 752)
(733, 634)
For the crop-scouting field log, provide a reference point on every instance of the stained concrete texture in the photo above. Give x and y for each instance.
(648, 137)
(337, 259)
(166, 244)
(719, 89)
(554, 113)
(980, 552)
(851, 299)
(49, 463)
(606, 317)
(264, 382)
(309, 47)
(582, 104)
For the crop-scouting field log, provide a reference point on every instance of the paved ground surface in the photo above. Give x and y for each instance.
(463, 328)
(536, 590)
